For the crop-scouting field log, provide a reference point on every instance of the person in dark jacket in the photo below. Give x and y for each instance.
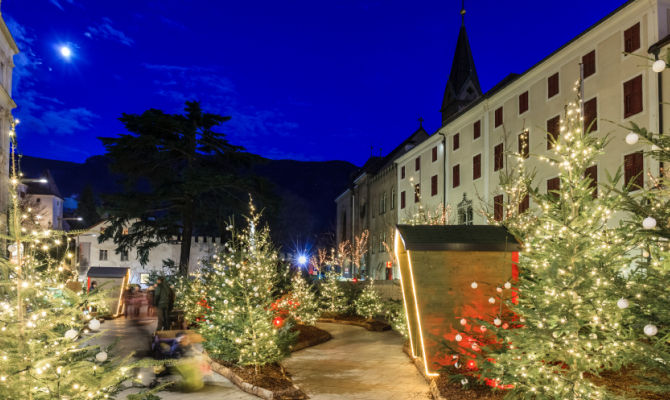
(162, 301)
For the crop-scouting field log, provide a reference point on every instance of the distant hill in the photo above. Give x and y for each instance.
(307, 189)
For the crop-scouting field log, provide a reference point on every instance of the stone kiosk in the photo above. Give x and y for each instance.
(438, 266)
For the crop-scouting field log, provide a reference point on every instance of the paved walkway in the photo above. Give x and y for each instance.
(357, 364)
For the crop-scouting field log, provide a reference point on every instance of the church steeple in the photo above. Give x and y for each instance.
(463, 84)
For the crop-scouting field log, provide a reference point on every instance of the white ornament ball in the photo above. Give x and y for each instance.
(492, 300)
(101, 357)
(458, 337)
(622, 303)
(650, 330)
(482, 328)
(464, 381)
(464, 321)
(658, 66)
(457, 365)
(71, 334)
(94, 324)
(645, 253)
(499, 289)
(497, 322)
(473, 285)
(632, 138)
(508, 285)
(649, 223)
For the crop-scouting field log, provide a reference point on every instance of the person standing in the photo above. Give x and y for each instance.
(162, 300)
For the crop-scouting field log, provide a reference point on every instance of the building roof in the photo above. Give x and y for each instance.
(457, 238)
(107, 272)
(48, 188)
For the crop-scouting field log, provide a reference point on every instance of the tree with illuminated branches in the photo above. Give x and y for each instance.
(333, 299)
(47, 348)
(568, 320)
(235, 293)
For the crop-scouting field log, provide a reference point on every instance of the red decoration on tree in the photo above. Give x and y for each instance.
(278, 322)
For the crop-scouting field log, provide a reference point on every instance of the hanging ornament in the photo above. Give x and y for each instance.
(94, 324)
(464, 321)
(658, 66)
(645, 253)
(505, 325)
(464, 381)
(492, 300)
(482, 328)
(632, 138)
(649, 223)
(650, 330)
(71, 334)
(508, 285)
(497, 322)
(101, 357)
(622, 303)
(499, 289)
(278, 322)
(473, 285)
(458, 337)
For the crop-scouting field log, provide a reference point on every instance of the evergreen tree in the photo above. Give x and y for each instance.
(568, 318)
(233, 298)
(87, 207)
(369, 304)
(333, 299)
(301, 302)
(178, 173)
(46, 346)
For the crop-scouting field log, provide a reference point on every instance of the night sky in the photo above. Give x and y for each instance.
(308, 80)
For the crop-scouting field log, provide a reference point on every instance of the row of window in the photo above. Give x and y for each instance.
(383, 202)
(103, 254)
(378, 242)
(633, 178)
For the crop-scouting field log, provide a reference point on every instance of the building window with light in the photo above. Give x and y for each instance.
(102, 256)
(465, 214)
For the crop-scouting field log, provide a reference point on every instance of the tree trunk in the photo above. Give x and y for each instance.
(187, 232)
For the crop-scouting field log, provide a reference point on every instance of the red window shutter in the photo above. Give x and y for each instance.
(524, 205)
(434, 153)
(523, 102)
(592, 174)
(498, 157)
(524, 144)
(498, 117)
(402, 172)
(591, 115)
(417, 193)
(552, 85)
(417, 164)
(477, 129)
(402, 199)
(553, 186)
(498, 207)
(477, 167)
(457, 142)
(631, 37)
(433, 185)
(553, 130)
(589, 63)
(456, 176)
(633, 165)
(632, 96)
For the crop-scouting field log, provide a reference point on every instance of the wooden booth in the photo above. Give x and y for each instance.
(112, 281)
(448, 275)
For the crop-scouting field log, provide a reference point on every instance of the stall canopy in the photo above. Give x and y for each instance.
(438, 265)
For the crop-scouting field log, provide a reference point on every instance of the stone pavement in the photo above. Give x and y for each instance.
(357, 364)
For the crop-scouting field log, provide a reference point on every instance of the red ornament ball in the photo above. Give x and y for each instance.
(278, 322)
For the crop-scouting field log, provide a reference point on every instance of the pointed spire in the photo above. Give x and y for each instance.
(420, 122)
(463, 84)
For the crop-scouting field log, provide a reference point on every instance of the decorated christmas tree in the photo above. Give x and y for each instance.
(301, 302)
(569, 321)
(47, 345)
(233, 299)
(369, 304)
(333, 299)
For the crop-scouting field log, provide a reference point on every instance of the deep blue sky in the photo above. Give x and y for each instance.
(310, 80)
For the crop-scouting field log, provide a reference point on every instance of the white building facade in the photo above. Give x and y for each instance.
(7, 51)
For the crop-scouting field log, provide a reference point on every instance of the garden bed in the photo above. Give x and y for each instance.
(309, 336)
(371, 325)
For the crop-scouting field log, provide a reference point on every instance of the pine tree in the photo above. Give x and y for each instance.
(369, 304)
(333, 299)
(234, 295)
(301, 302)
(568, 318)
(46, 341)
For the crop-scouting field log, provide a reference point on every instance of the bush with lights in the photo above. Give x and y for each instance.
(369, 304)
(46, 347)
(571, 322)
(301, 302)
(232, 297)
(333, 298)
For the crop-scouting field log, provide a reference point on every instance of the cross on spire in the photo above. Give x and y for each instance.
(463, 12)
(420, 122)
